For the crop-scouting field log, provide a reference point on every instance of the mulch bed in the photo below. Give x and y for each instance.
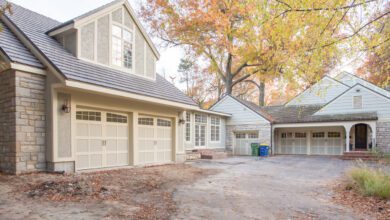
(149, 190)
(372, 206)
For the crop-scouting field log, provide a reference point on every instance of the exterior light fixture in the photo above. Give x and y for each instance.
(66, 107)
(182, 121)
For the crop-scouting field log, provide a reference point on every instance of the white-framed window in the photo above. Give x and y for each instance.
(89, 115)
(188, 126)
(357, 102)
(145, 121)
(215, 128)
(240, 135)
(163, 122)
(300, 135)
(122, 46)
(200, 118)
(318, 134)
(287, 135)
(334, 134)
(253, 135)
(111, 117)
(200, 130)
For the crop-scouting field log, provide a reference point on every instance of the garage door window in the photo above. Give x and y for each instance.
(287, 135)
(116, 118)
(300, 135)
(145, 121)
(253, 135)
(88, 116)
(163, 123)
(240, 135)
(318, 134)
(334, 134)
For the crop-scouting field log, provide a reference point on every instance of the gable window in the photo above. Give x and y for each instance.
(188, 126)
(357, 102)
(122, 47)
(215, 128)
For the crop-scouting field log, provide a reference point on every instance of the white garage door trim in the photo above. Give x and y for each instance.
(242, 142)
(155, 141)
(293, 143)
(327, 143)
(102, 139)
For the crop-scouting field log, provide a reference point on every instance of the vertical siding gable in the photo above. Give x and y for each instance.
(371, 102)
(320, 93)
(240, 113)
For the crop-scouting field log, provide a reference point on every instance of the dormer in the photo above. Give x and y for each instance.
(111, 36)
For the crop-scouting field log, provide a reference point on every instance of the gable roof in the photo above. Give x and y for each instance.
(33, 26)
(253, 107)
(102, 8)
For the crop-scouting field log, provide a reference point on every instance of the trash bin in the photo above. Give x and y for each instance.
(263, 150)
(255, 149)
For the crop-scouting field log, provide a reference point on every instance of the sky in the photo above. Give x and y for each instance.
(64, 10)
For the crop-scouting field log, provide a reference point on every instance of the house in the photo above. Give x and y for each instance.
(84, 94)
(335, 115)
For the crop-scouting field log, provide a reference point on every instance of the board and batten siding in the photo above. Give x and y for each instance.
(190, 145)
(320, 93)
(240, 113)
(371, 102)
(352, 80)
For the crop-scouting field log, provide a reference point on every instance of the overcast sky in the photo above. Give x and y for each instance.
(64, 10)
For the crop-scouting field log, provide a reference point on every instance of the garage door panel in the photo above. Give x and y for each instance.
(112, 131)
(122, 145)
(82, 129)
(96, 160)
(82, 145)
(95, 130)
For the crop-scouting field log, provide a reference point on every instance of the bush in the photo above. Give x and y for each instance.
(371, 182)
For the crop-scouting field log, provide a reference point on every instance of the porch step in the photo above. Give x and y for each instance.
(363, 155)
(193, 156)
(212, 154)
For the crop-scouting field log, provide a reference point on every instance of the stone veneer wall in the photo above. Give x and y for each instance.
(23, 121)
(264, 133)
(383, 136)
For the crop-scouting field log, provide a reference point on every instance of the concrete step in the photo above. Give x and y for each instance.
(193, 156)
(216, 155)
(363, 155)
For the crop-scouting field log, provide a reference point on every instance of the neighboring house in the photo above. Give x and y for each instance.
(84, 94)
(333, 116)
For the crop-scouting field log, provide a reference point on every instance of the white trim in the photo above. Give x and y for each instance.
(29, 69)
(99, 89)
(214, 112)
(61, 30)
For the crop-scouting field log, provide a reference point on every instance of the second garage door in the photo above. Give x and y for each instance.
(154, 140)
(242, 142)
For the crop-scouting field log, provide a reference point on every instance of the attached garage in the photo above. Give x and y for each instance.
(243, 141)
(310, 141)
(155, 141)
(102, 139)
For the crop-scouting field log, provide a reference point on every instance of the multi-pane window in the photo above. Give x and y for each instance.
(116, 118)
(163, 123)
(300, 135)
(200, 118)
(145, 121)
(240, 135)
(122, 47)
(318, 134)
(200, 130)
(215, 128)
(253, 135)
(188, 126)
(287, 135)
(334, 134)
(88, 116)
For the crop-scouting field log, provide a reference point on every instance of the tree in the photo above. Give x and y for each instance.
(255, 39)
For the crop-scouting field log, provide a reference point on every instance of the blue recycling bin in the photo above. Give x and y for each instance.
(263, 150)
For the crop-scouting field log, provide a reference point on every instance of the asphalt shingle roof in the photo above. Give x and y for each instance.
(34, 26)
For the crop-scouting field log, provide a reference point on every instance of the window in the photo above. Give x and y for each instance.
(357, 102)
(201, 118)
(122, 47)
(188, 126)
(334, 134)
(318, 134)
(215, 128)
(116, 118)
(253, 135)
(240, 135)
(145, 121)
(88, 116)
(287, 135)
(163, 123)
(300, 135)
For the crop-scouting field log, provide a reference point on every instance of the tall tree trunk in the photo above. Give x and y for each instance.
(261, 94)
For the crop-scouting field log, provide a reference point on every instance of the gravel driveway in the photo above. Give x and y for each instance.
(282, 187)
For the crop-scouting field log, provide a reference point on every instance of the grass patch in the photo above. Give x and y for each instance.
(370, 182)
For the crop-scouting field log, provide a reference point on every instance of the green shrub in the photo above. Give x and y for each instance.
(371, 182)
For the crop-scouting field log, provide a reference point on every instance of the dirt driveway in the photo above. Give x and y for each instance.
(282, 187)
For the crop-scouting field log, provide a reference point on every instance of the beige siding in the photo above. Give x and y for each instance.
(103, 40)
(88, 41)
(139, 53)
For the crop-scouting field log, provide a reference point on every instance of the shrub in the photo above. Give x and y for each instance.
(371, 182)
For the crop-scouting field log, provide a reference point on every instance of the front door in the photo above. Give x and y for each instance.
(361, 136)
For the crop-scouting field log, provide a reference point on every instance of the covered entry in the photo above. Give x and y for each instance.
(102, 139)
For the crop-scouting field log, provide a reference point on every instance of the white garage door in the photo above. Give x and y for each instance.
(292, 143)
(243, 141)
(154, 140)
(101, 139)
(326, 143)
